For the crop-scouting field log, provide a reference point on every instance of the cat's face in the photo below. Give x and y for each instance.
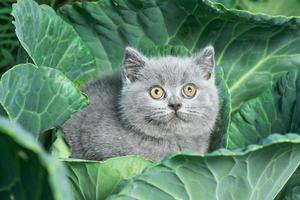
(169, 93)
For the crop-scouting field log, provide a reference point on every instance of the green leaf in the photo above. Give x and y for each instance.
(2, 112)
(39, 98)
(270, 7)
(51, 42)
(253, 50)
(8, 40)
(55, 3)
(277, 110)
(166, 50)
(220, 136)
(26, 171)
(59, 147)
(97, 180)
(258, 172)
(291, 190)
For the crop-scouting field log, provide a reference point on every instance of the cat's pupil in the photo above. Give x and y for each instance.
(156, 91)
(189, 89)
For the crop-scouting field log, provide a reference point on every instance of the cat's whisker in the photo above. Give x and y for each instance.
(157, 113)
(204, 116)
(193, 112)
(156, 116)
(159, 109)
(190, 107)
(162, 116)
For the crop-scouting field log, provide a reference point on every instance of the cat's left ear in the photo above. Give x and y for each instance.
(205, 59)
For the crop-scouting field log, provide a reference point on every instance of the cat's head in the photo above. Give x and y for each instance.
(169, 95)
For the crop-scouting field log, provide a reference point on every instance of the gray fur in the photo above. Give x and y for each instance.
(123, 119)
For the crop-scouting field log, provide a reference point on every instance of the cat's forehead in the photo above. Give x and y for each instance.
(169, 70)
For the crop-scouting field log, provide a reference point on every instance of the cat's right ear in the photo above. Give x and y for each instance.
(205, 59)
(132, 63)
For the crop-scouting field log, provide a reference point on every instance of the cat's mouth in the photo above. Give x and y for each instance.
(177, 116)
(180, 116)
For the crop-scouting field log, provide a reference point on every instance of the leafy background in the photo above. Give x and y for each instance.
(62, 48)
(8, 40)
(270, 7)
(9, 44)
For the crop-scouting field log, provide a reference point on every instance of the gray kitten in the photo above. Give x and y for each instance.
(154, 107)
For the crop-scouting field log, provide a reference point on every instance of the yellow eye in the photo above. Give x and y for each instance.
(189, 90)
(156, 92)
